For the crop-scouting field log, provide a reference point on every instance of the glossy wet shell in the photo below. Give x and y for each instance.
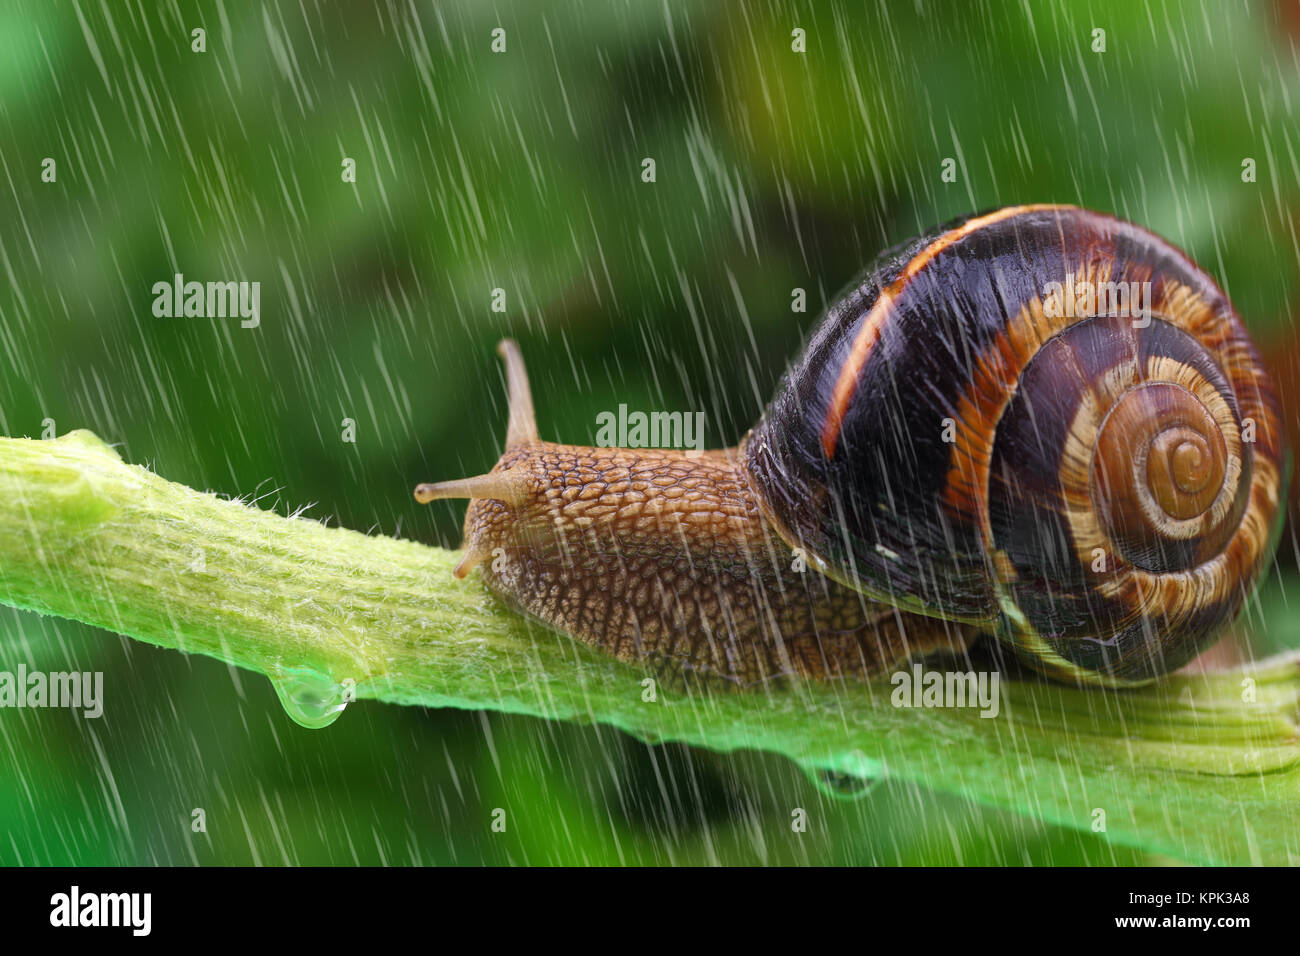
(969, 435)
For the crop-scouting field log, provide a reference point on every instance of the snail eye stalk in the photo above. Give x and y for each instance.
(522, 430)
(502, 485)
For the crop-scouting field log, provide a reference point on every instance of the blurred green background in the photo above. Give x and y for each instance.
(521, 170)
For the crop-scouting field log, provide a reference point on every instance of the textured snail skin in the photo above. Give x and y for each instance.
(957, 451)
(654, 555)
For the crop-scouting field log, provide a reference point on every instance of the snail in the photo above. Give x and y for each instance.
(1041, 424)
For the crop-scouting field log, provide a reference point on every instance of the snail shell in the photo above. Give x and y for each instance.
(969, 436)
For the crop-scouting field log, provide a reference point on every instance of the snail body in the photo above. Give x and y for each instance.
(967, 445)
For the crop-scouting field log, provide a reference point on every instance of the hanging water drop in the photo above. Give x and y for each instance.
(842, 785)
(311, 698)
(851, 776)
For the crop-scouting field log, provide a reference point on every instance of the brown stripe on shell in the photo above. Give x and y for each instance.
(869, 332)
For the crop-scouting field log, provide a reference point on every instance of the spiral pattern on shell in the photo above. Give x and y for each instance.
(1167, 463)
(1121, 524)
(974, 435)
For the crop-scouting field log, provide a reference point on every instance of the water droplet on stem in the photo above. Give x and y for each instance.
(841, 785)
(311, 698)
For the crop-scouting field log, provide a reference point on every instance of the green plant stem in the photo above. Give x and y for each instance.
(84, 535)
